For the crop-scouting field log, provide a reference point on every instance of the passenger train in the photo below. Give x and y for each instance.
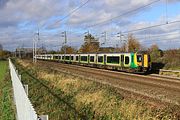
(129, 62)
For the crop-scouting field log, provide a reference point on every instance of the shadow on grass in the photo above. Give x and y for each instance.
(63, 105)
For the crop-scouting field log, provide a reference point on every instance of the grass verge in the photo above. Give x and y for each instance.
(63, 97)
(6, 100)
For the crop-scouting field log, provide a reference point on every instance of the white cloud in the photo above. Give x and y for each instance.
(23, 16)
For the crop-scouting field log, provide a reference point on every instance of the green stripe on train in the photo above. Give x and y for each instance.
(133, 65)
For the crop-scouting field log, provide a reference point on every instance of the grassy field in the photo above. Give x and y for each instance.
(63, 97)
(6, 101)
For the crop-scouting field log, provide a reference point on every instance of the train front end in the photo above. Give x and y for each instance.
(143, 61)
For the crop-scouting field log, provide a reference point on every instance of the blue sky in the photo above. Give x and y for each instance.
(20, 19)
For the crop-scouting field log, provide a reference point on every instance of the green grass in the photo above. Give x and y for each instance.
(6, 101)
(3, 69)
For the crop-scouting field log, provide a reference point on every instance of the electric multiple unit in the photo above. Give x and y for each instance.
(130, 62)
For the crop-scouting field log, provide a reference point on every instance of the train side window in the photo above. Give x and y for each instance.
(100, 59)
(84, 58)
(113, 59)
(139, 58)
(60, 57)
(67, 57)
(63, 57)
(91, 58)
(77, 58)
(126, 60)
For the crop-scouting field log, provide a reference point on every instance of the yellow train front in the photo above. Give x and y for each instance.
(143, 62)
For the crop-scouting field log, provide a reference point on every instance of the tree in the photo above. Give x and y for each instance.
(52, 52)
(1, 52)
(67, 49)
(90, 45)
(133, 44)
(171, 59)
(4, 54)
(155, 53)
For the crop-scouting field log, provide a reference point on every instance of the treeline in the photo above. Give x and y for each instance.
(4, 54)
(92, 45)
(167, 59)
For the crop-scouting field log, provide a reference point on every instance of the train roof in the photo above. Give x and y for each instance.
(140, 52)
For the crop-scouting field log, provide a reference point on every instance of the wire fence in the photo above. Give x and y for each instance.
(24, 108)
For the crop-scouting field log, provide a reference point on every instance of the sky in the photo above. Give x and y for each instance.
(21, 19)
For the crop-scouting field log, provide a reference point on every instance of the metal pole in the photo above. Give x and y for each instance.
(65, 38)
(19, 53)
(127, 45)
(105, 36)
(33, 50)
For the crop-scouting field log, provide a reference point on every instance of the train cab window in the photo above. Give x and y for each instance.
(84, 58)
(72, 57)
(91, 58)
(63, 57)
(139, 58)
(126, 60)
(100, 59)
(77, 58)
(113, 59)
(60, 57)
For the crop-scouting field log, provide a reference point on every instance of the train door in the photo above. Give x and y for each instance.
(145, 60)
(122, 60)
(88, 59)
(104, 59)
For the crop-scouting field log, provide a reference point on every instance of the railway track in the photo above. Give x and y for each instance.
(165, 77)
(151, 88)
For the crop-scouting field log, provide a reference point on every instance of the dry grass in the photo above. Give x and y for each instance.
(98, 100)
(173, 74)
